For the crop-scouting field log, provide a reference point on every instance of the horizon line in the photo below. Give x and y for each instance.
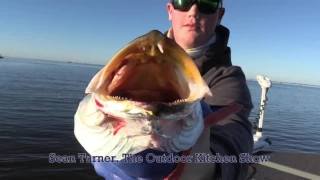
(248, 79)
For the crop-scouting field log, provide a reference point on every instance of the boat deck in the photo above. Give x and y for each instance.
(291, 166)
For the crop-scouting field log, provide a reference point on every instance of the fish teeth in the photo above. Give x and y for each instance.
(130, 99)
(121, 98)
(179, 100)
(160, 48)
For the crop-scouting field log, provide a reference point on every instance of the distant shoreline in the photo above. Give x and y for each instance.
(289, 83)
(52, 60)
(248, 79)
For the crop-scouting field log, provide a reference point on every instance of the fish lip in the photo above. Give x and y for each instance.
(178, 102)
(169, 111)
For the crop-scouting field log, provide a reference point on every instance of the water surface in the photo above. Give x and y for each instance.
(39, 98)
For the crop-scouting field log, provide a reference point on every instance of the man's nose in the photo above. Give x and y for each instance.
(193, 11)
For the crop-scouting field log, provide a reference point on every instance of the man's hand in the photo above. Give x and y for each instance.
(205, 170)
(198, 170)
(89, 123)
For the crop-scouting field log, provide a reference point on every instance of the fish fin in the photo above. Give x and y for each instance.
(93, 85)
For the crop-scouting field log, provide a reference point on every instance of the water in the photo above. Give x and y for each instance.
(39, 98)
(292, 117)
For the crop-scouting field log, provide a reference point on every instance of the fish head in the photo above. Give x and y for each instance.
(152, 77)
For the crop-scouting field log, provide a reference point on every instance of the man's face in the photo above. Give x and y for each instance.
(192, 28)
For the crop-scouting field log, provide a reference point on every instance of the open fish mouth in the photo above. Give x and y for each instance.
(143, 79)
(147, 79)
(151, 78)
(150, 92)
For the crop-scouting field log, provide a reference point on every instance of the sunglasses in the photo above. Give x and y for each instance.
(204, 6)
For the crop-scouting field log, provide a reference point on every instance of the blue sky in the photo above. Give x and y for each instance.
(279, 39)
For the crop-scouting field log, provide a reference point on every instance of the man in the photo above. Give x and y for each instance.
(196, 28)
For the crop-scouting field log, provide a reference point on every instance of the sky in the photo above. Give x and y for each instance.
(279, 39)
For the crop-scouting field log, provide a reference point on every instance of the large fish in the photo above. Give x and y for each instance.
(150, 92)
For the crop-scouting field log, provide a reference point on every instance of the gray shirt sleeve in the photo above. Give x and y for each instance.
(232, 135)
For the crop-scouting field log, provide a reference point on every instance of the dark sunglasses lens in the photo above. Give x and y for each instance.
(208, 6)
(182, 5)
(204, 6)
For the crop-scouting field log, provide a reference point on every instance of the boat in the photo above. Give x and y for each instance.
(1, 56)
(278, 165)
